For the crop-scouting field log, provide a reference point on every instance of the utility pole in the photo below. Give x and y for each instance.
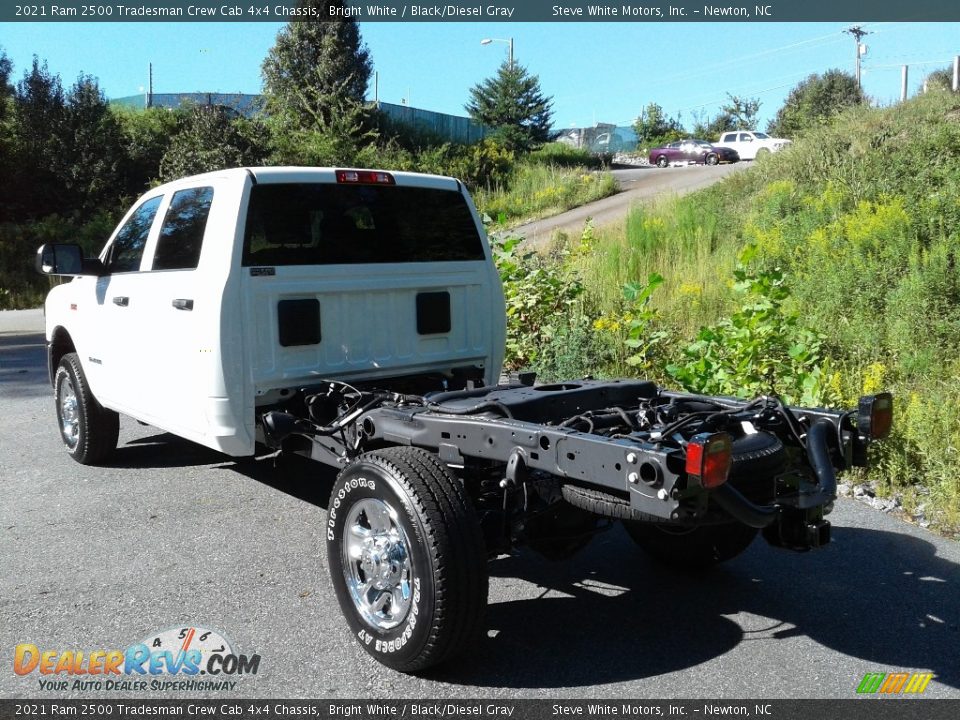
(858, 33)
(149, 99)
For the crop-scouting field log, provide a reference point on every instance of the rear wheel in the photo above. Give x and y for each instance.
(712, 159)
(662, 161)
(407, 558)
(691, 548)
(89, 431)
(762, 151)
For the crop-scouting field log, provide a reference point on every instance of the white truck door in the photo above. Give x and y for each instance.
(171, 354)
(110, 311)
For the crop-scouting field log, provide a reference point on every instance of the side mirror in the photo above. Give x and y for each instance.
(65, 259)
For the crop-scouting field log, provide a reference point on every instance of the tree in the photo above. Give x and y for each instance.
(815, 101)
(741, 112)
(653, 127)
(512, 103)
(711, 128)
(315, 66)
(210, 139)
(940, 79)
(6, 140)
(6, 89)
(39, 110)
(93, 149)
(146, 138)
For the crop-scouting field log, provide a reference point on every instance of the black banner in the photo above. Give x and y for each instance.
(479, 11)
(854, 709)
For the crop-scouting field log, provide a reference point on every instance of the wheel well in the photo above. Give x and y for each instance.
(60, 345)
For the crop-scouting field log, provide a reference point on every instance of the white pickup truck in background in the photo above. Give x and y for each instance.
(750, 144)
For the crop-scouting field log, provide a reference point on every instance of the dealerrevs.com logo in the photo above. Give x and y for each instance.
(182, 658)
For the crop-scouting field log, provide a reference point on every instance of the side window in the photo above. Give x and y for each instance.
(181, 235)
(745, 138)
(730, 137)
(127, 247)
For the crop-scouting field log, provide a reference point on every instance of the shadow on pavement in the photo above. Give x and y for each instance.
(884, 597)
(291, 474)
(610, 615)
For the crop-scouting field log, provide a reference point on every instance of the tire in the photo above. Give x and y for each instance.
(662, 161)
(407, 558)
(691, 548)
(89, 431)
(762, 152)
(712, 159)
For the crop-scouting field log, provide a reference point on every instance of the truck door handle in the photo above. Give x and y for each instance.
(183, 304)
(121, 300)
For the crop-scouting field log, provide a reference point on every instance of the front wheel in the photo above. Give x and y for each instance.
(89, 431)
(712, 159)
(691, 548)
(662, 161)
(407, 558)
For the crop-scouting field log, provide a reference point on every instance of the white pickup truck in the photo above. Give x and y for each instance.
(750, 144)
(356, 317)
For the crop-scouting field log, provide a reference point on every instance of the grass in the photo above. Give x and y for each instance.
(537, 190)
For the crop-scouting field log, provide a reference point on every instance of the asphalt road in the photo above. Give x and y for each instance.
(172, 534)
(637, 185)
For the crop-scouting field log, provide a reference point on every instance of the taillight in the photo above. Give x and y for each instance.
(365, 177)
(709, 457)
(875, 415)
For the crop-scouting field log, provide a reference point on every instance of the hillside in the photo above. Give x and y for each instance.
(827, 271)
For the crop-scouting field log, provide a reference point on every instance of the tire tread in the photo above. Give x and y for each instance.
(100, 427)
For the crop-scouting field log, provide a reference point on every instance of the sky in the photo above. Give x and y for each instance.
(595, 72)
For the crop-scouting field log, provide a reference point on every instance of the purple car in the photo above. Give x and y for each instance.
(691, 151)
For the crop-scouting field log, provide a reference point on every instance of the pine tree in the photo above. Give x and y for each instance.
(512, 103)
(92, 149)
(39, 111)
(315, 67)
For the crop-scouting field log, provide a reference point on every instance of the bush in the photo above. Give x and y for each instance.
(761, 349)
(539, 295)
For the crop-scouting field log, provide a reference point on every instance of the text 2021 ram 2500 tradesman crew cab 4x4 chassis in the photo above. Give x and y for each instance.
(356, 317)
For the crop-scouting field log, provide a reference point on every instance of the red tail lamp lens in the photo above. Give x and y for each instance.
(365, 177)
(709, 457)
(875, 416)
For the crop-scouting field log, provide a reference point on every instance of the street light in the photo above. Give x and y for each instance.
(508, 41)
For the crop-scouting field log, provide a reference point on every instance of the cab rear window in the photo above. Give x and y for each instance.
(327, 224)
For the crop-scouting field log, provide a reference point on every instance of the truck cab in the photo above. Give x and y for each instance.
(222, 293)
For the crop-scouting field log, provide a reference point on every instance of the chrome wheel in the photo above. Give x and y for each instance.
(377, 564)
(69, 413)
